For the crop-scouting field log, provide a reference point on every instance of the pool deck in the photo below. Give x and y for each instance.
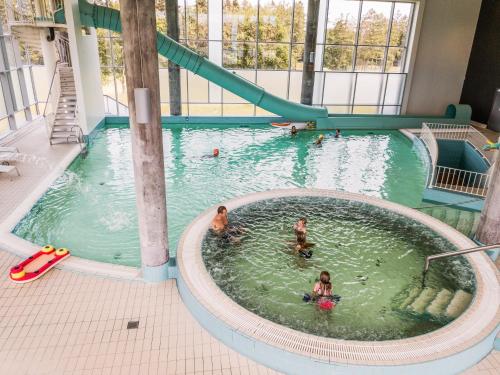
(76, 322)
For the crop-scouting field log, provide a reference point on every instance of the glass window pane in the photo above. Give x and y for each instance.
(395, 57)
(29, 86)
(366, 110)
(239, 55)
(17, 90)
(338, 109)
(395, 88)
(262, 112)
(273, 56)
(196, 19)
(275, 20)
(374, 23)
(117, 51)
(205, 109)
(342, 21)
(198, 89)
(20, 117)
(10, 52)
(4, 126)
(369, 89)
(401, 24)
(273, 82)
(3, 109)
(295, 86)
(391, 110)
(164, 86)
(107, 82)
(229, 97)
(238, 109)
(338, 58)
(299, 21)
(199, 46)
(370, 59)
(240, 20)
(121, 86)
(297, 62)
(339, 88)
(104, 47)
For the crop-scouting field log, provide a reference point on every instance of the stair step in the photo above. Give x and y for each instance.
(438, 213)
(422, 301)
(440, 302)
(451, 217)
(62, 134)
(458, 304)
(411, 297)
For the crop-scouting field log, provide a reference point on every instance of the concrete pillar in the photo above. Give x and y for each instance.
(86, 68)
(309, 52)
(488, 231)
(174, 74)
(141, 71)
(49, 54)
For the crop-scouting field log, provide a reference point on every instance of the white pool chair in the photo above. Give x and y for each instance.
(9, 168)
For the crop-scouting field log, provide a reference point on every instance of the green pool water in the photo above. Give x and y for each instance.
(91, 209)
(375, 259)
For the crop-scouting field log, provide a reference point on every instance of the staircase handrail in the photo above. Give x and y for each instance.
(51, 86)
(430, 143)
(430, 258)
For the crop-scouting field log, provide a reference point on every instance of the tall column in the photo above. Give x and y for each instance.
(141, 71)
(488, 231)
(174, 73)
(309, 52)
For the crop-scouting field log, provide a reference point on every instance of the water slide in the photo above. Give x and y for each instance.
(107, 18)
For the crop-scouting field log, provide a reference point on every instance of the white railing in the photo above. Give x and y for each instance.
(114, 107)
(432, 147)
(461, 133)
(62, 46)
(459, 180)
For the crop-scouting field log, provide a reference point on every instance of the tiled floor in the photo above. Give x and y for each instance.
(75, 323)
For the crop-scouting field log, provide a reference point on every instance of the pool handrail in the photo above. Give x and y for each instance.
(430, 258)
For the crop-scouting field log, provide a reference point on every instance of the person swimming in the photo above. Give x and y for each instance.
(301, 238)
(323, 288)
(220, 225)
(337, 133)
(294, 130)
(318, 141)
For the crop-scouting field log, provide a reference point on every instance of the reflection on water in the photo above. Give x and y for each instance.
(91, 208)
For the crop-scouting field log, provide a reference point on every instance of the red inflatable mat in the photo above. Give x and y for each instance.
(38, 264)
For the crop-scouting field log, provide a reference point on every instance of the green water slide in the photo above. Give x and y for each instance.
(107, 18)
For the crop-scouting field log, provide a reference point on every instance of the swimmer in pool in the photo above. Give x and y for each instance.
(294, 130)
(220, 225)
(318, 141)
(337, 133)
(301, 244)
(323, 288)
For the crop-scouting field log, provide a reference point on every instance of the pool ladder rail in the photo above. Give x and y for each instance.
(430, 258)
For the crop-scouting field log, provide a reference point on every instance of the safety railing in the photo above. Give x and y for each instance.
(430, 143)
(114, 107)
(459, 180)
(62, 46)
(52, 100)
(461, 133)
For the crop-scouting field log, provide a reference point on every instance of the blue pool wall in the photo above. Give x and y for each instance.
(461, 155)
(455, 114)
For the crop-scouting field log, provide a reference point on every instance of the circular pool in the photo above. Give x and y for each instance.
(374, 250)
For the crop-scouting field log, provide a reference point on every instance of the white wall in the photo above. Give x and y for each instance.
(86, 69)
(444, 44)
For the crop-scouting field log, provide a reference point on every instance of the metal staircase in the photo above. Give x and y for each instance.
(64, 126)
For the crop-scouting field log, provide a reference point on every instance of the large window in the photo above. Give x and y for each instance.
(360, 57)
(18, 100)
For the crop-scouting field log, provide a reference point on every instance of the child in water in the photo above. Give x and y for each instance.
(300, 233)
(318, 141)
(323, 288)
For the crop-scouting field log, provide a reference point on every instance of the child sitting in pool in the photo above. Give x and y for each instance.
(300, 233)
(323, 288)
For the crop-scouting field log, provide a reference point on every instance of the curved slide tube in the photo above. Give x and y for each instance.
(107, 18)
